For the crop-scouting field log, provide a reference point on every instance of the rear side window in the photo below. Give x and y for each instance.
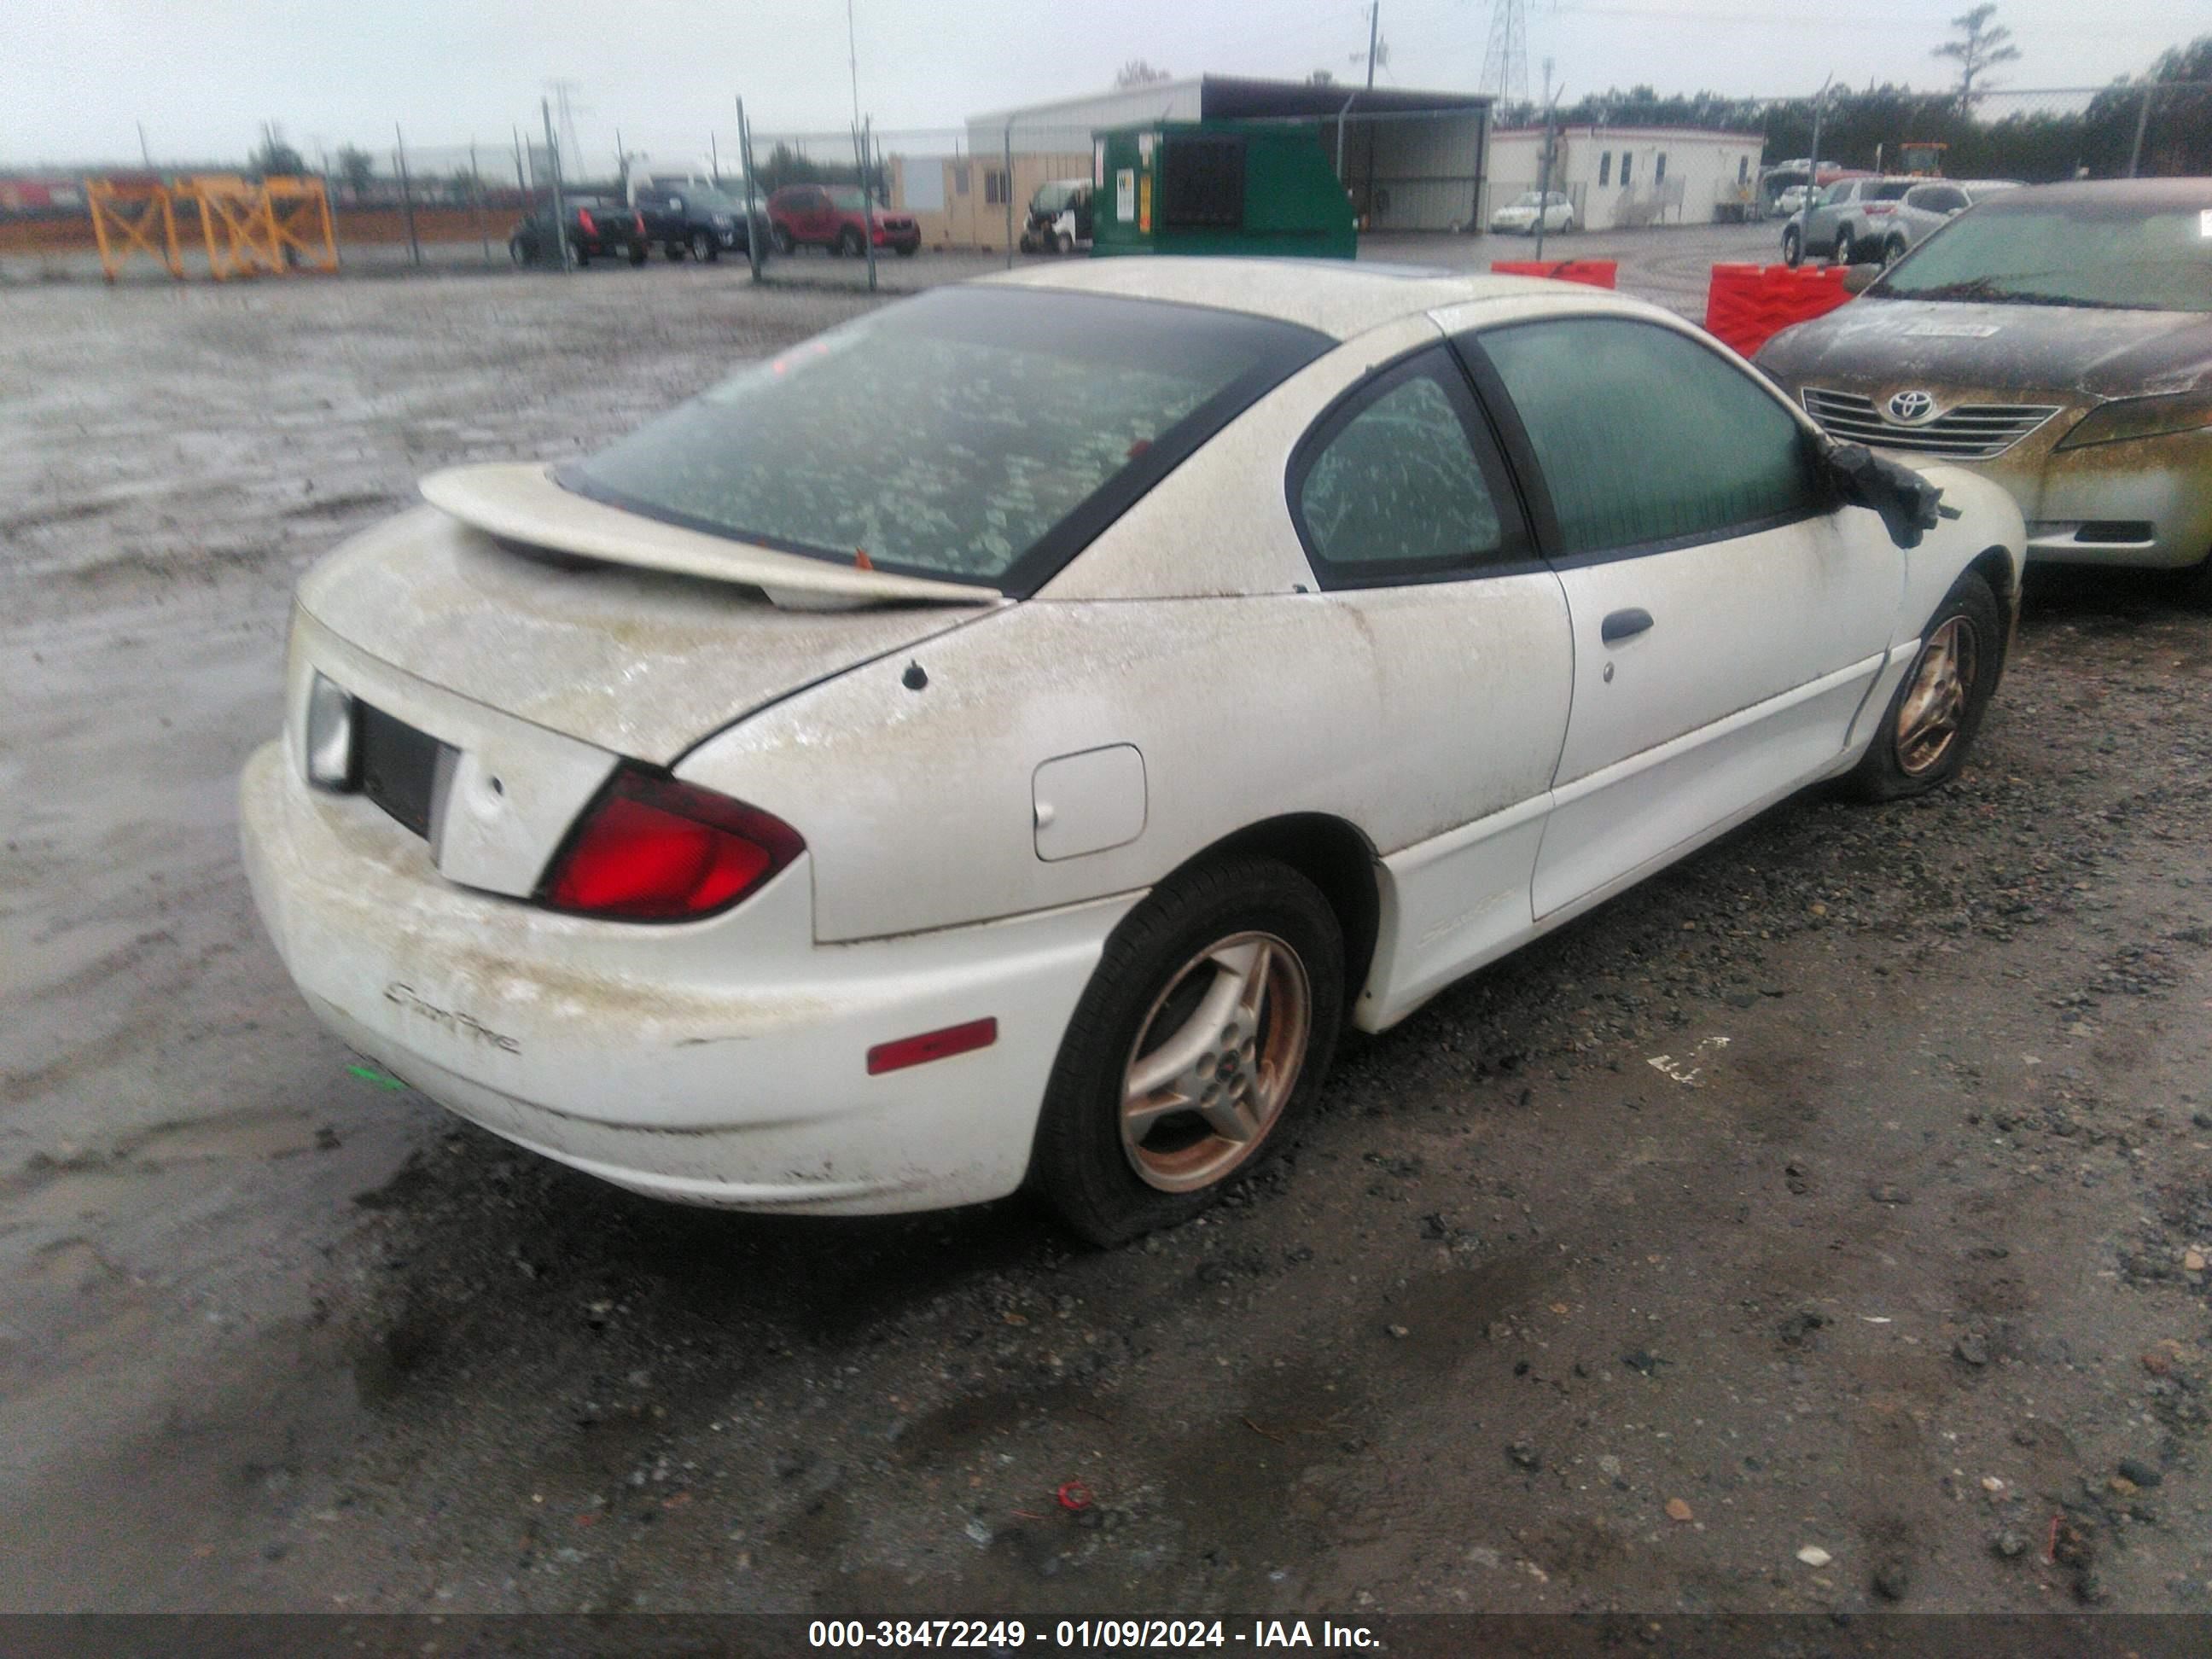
(1644, 438)
(1936, 198)
(1891, 190)
(1393, 483)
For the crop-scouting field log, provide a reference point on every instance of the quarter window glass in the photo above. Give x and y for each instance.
(1398, 485)
(1645, 436)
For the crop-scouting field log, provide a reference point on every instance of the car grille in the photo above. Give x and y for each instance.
(1972, 432)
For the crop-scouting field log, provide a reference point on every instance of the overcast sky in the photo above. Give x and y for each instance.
(202, 75)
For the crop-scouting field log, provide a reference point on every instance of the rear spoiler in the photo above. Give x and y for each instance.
(521, 502)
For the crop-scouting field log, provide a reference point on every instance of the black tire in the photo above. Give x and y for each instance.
(1845, 247)
(521, 252)
(908, 250)
(1079, 1163)
(673, 252)
(1891, 768)
(1793, 245)
(578, 258)
(639, 253)
(1893, 250)
(1064, 244)
(851, 243)
(704, 248)
(782, 238)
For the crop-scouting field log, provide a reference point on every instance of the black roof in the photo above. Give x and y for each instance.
(1231, 97)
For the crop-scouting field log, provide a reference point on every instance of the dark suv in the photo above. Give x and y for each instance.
(836, 216)
(598, 227)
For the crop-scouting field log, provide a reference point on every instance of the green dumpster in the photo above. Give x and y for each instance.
(1237, 187)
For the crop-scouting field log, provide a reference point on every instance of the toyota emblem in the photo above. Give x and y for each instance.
(1910, 408)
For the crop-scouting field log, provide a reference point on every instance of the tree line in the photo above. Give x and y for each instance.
(1988, 136)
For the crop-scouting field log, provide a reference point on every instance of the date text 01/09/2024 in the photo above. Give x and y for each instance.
(1126, 1635)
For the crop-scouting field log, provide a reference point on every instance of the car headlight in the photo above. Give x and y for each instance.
(2126, 418)
(330, 736)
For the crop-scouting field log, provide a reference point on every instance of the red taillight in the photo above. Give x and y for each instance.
(638, 219)
(655, 849)
(1879, 211)
(584, 222)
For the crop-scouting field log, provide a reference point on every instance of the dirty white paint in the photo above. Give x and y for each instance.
(975, 830)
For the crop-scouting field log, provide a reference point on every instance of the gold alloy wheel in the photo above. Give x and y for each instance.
(1215, 1061)
(1929, 720)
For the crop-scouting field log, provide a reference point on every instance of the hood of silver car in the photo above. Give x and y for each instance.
(2081, 349)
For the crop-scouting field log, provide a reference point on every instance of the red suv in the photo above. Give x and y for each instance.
(835, 217)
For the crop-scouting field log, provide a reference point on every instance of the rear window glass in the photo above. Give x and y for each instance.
(1891, 190)
(982, 434)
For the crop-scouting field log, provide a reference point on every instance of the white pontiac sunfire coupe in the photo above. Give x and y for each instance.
(1005, 738)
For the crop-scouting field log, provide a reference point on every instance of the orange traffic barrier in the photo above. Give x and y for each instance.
(133, 216)
(1745, 306)
(1591, 273)
(264, 228)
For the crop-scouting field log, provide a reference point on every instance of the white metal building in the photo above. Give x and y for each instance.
(1410, 159)
(1617, 176)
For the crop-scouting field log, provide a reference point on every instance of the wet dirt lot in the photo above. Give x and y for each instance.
(1822, 1226)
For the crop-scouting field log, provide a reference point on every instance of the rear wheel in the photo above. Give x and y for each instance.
(704, 248)
(1843, 246)
(1793, 245)
(1206, 1031)
(1893, 250)
(1932, 720)
(850, 241)
(639, 253)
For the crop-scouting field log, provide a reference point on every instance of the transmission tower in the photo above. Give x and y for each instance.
(1505, 61)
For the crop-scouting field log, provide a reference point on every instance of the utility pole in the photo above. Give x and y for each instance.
(2142, 120)
(1812, 170)
(560, 208)
(147, 155)
(1374, 28)
(853, 62)
(1544, 187)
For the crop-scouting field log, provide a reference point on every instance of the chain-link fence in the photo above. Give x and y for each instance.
(855, 207)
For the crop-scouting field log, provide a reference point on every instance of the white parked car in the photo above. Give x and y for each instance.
(1790, 201)
(1006, 738)
(1518, 218)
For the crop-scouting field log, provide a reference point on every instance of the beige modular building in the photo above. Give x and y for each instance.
(1626, 176)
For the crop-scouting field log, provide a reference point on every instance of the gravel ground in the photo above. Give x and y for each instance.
(1821, 1227)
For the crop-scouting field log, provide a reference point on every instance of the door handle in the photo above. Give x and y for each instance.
(1623, 625)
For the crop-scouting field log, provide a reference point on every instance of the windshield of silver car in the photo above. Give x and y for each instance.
(983, 433)
(2065, 254)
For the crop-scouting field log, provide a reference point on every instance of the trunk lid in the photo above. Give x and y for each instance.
(636, 637)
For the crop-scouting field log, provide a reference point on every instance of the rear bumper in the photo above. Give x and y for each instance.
(722, 1062)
